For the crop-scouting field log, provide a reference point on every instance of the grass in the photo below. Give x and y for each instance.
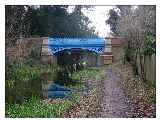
(90, 73)
(36, 108)
(75, 85)
(79, 78)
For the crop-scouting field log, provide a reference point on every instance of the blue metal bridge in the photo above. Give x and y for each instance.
(92, 44)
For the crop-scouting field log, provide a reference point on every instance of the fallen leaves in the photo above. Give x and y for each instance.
(143, 96)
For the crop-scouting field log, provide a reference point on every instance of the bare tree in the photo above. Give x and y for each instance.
(134, 23)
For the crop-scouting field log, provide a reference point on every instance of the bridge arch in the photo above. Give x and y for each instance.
(52, 46)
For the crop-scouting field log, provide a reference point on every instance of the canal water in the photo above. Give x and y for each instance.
(53, 90)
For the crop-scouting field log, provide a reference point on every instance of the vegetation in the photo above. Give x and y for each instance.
(35, 107)
(22, 82)
(89, 73)
(137, 24)
(92, 73)
(149, 45)
(46, 20)
(24, 92)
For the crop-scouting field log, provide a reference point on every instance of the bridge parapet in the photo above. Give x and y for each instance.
(92, 44)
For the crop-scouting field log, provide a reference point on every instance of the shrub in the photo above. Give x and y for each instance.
(149, 45)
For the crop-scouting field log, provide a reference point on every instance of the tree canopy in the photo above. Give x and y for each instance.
(46, 20)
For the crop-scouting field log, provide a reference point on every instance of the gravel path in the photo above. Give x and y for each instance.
(115, 104)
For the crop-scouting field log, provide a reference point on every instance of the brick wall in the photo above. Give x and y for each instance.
(22, 49)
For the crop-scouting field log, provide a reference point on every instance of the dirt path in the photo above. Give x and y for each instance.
(108, 101)
(114, 104)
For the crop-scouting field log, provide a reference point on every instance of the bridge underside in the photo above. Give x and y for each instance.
(75, 56)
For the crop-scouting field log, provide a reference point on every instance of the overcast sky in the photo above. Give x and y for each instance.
(98, 15)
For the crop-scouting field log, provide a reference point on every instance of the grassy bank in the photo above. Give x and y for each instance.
(35, 106)
(97, 73)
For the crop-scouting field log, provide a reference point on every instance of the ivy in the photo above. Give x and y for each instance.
(149, 45)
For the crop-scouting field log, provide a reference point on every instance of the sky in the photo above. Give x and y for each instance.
(98, 15)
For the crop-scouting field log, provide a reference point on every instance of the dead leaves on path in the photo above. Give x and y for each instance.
(84, 108)
(142, 95)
